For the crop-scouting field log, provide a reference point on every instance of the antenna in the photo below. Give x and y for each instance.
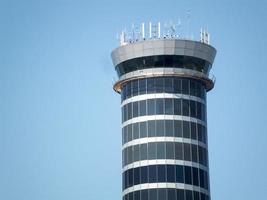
(188, 15)
(150, 30)
(143, 31)
(159, 30)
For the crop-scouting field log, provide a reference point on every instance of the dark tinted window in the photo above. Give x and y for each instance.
(151, 107)
(179, 174)
(144, 174)
(151, 128)
(171, 173)
(161, 173)
(169, 128)
(142, 108)
(160, 127)
(177, 128)
(159, 106)
(152, 170)
(169, 106)
(188, 175)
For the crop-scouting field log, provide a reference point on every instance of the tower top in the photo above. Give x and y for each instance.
(156, 31)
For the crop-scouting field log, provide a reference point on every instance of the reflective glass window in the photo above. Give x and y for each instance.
(185, 86)
(150, 86)
(159, 106)
(177, 128)
(171, 173)
(201, 178)
(177, 85)
(168, 85)
(171, 194)
(130, 154)
(136, 153)
(129, 110)
(193, 131)
(135, 109)
(178, 151)
(187, 152)
(177, 106)
(152, 194)
(144, 194)
(144, 174)
(161, 173)
(195, 176)
(130, 197)
(130, 177)
(193, 112)
(180, 194)
(160, 127)
(196, 195)
(143, 129)
(169, 150)
(143, 151)
(189, 195)
(151, 151)
(129, 132)
(194, 153)
(169, 107)
(151, 106)
(136, 176)
(169, 130)
(161, 150)
(137, 195)
(142, 108)
(151, 125)
(179, 174)
(135, 130)
(192, 88)
(186, 129)
(162, 195)
(142, 86)
(152, 171)
(185, 106)
(135, 87)
(188, 175)
(159, 85)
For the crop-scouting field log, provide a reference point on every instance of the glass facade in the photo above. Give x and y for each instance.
(163, 61)
(178, 134)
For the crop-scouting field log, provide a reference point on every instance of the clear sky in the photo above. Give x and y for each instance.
(60, 134)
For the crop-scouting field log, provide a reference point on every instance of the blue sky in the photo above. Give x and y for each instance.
(60, 119)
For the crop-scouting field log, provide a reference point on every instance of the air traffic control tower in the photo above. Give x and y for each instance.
(163, 81)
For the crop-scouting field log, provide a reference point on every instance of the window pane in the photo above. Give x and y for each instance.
(150, 86)
(179, 173)
(142, 108)
(187, 152)
(177, 128)
(144, 174)
(169, 106)
(136, 153)
(129, 110)
(193, 112)
(171, 173)
(151, 128)
(178, 151)
(130, 197)
(185, 86)
(186, 129)
(168, 85)
(137, 195)
(177, 106)
(144, 194)
(188, 175)
(189, 195)
(169, 132)
(193, 130)
(185, 105)
(162, 194)
(196, 195)
(130, 177)
(130, 154)
(152, 194)
(143, 130)
(129, 132)
(180, 194)
(142, 86)
(151, 107)
(159, 85)
(169, 150)
(151, 151)
(177, 85)
(192, 88)
(136, 176)
(161, 150)
(135, 109)
(161, 173)
(135, 87)
(135, 130)
(171, 194)
(195, 176)
(143, 151)
(152, 170)
(159, 107)
(194, 153)
(160, 127)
